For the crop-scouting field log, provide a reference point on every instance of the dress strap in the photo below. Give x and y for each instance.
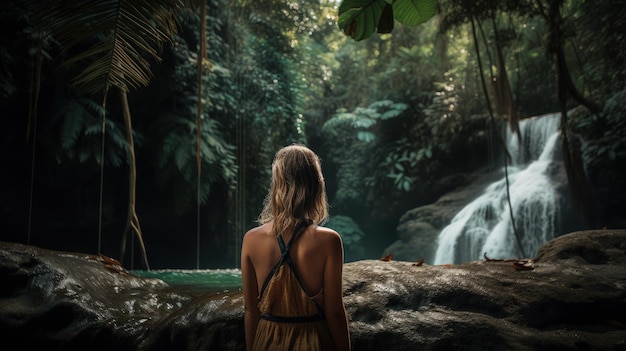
(284, 249)
(287, 258)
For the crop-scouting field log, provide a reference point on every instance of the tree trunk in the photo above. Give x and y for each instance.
(502, 88)
(132, 221)
(582, 194)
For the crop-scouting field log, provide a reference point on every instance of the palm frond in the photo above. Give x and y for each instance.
(118, 35)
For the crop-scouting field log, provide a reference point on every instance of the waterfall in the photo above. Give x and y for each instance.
(484, 225)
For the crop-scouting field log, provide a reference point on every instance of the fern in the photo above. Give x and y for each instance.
(177, 160)
(80, 133)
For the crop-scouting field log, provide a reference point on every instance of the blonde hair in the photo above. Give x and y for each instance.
(297, 192)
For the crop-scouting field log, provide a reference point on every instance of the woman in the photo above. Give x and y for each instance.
(292, 268)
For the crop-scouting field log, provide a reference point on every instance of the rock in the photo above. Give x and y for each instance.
(572, 300)
(417, 240)
(419, 228)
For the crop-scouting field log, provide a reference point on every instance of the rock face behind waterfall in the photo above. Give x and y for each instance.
(573, 299)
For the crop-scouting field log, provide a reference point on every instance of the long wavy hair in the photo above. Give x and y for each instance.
(298, 191)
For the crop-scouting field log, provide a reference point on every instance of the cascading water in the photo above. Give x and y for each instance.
(484, 226)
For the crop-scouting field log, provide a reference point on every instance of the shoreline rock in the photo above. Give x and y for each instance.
(572, 300)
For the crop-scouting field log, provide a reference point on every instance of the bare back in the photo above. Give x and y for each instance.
(309, 254)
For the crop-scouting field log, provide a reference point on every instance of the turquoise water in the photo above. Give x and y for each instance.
(197, 279)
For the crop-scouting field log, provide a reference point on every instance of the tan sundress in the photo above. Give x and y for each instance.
(290, 319)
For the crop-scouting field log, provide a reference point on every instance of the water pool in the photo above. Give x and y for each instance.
(202, 280)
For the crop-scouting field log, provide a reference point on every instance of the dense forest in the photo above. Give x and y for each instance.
(145, 131)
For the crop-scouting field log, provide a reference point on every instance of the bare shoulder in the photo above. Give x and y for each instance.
(256, 234)
(328, 235)
(330, 243)
(326, 231)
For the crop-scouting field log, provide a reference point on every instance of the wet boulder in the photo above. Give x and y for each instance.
(569, 297)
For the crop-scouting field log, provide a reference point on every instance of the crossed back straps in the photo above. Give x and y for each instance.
(285, 257)
(284, 250)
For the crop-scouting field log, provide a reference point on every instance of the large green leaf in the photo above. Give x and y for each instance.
(414, 12)
(361, 18)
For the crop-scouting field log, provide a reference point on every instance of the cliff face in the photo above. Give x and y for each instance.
(571, 299)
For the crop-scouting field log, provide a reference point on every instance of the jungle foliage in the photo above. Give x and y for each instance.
(392, 107)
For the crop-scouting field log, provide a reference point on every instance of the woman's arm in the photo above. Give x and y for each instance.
(250, 293)
(334, 308)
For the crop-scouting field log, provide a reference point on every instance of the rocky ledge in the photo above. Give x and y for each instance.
(571, 296)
